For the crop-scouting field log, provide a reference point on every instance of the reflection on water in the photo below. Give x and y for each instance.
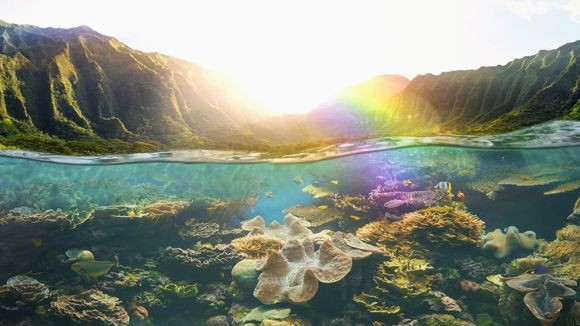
(413, 244)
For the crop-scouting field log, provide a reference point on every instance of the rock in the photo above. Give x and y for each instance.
(245, 273)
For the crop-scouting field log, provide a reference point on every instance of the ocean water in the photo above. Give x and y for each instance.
(140, 208)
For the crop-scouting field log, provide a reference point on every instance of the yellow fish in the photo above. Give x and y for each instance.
(94, 268)
(355, 218)
(407, 182)
(37, 242)
(444, 186)
(322, 207)
(132, 213)
(268, 194)
(460, 195)
(298, 180)
(334, 182)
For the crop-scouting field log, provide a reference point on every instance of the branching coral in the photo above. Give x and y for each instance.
(257, 246)
(503, 244)
(21, 291)
(91, 306)
(292, 274)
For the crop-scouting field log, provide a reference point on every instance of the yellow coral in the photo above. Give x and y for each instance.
(438, 226)
(564, 252)
(163, 208)
(257, 246)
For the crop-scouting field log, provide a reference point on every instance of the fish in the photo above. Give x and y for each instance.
(538, 269)
(132, 213)
(298, 180)
(268, 194)
(407, 182)
(461, 195)
(94, 268)
(496, 279)
(37, 242)
(491, 195)
(323, 207)
(526, 178)
(444, 186)
(318, 182)
(355, 218)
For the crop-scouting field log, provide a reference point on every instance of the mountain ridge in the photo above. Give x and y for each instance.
(77, 91)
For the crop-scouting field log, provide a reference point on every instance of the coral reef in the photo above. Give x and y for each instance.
(353, 246)
(293, 228)
(488, 181)
(314, 215)
(196, 230)
(245, 273)
(399, 281)
(163, 208)
(503, 244)
(543, 294)
(261, 313)
(564, 252)
(257, 246)
(91, 306)
(292, 274)
(386, 200)
(433, 227)
(220, 255)
(533, 264)
(181, 290)
(22, 291)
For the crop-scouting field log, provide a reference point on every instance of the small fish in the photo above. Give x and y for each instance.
(491, 195)
(37, 242)
(496, 279)
(355, 218)
(526, 178)
(94, 268)
(461, 195)
(132, 213)
(298, 180)
(268, 194)
(323, 207)
(318, 182)
(444, 186)
(539, 269)
(407, 182)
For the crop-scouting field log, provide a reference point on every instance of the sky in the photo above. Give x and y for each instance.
(292, 55)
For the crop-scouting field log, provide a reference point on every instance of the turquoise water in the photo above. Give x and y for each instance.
(502, 185)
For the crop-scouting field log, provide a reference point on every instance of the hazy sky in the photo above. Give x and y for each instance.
(291, 55)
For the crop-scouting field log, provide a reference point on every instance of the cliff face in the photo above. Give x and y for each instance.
(521, 93)
(78, 83)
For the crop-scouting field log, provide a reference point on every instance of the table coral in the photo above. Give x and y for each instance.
(91, 306)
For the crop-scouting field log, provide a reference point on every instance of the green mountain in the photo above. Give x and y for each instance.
(80, 86)
(523, 92)
(77, 91)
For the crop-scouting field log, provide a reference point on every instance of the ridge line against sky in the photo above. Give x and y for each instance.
(292, 55)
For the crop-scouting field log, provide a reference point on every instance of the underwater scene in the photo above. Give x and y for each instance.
(409, 235)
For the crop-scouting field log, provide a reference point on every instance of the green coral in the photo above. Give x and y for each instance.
(181, 290)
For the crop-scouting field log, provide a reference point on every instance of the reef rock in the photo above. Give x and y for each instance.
(21, 291)
(91, 306)
(245, 273)
(504, 243)
(292, 274)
